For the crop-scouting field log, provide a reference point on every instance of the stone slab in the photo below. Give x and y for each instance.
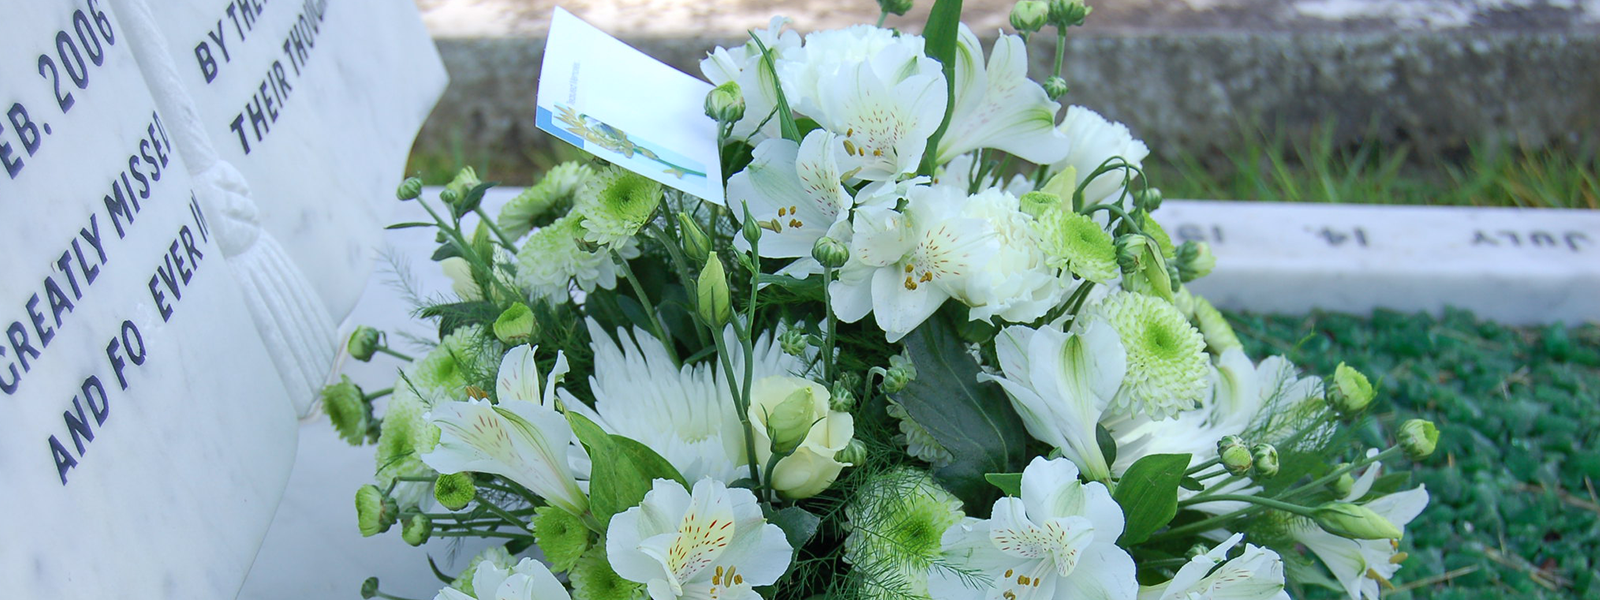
(1516, 266)
(146, 439)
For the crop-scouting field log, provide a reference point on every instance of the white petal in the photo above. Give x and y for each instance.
(518, 378)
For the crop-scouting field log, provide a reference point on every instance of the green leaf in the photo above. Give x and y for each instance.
(624, 470)
(1148, 494)
(409, 225)
(791, 131)
(798, 525)
(973, 421)
(1010, 483)
(472, 199)
(446, 250)
(944, 22)
(1191, 484)
(455, 315)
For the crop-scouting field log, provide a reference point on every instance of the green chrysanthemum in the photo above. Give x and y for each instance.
(615, 204)
(497, 556)
(550, 260)
(404, 437)
(561, 536)
(1214, 327)
(919, 443)
(593, 579)
(896, 521)
(1166, 356)
(545, 201)
(1076, 243)
(455, 362)
(455, 491)
(348, 409)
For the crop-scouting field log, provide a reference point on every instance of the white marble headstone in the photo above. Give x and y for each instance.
(316, 102)
(146, 438)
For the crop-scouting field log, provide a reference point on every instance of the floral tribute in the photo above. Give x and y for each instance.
(935, 346)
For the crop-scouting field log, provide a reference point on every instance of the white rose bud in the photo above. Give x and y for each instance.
(793, 414)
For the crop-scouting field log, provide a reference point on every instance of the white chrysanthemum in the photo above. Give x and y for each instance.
(614, 205)
(1257, 574)
(684, 413)
(1058, 540)
(1076, 243)
(1093, 140)
(1166, 356)
(544, 201)
(1016, 284)
(550, 261)
(896, 521)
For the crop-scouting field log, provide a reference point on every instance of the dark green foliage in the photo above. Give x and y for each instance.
(1148, 494)
(1514, 512)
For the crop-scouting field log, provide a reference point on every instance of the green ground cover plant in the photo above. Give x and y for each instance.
(1515, 511)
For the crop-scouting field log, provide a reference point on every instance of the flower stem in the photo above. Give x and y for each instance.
(828, 368)
(501, 512)
(1061, 49)
(1202, 466)
(1267, 502)
(391, 352)
(377, 394)
(649, 309)
(505, 240)
(1325, 479)
(882, 16)
(486, 534)
(740, 405)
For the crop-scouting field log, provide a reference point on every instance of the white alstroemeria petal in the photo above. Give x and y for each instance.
(697, 544)
(997, 106)
(794, 190)
(1401, 507)
(1050, 488)
(899, 309)
(521, 441)
(1104, 572)
(518, 378)
(886, 125)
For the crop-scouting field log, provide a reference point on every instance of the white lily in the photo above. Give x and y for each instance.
(1255, 575)
(1061, 383)
(1057, 541)
(1093, 140)
(528, 580)
(711, 544)
(903, 266)
(684, 413)
(1362, 565)
(522, 440)
(794, 191)
(997, 106)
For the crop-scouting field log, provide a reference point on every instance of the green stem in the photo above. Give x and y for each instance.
(390, 352)
(1201, 525)
(882, 16)
(377, 394)
(1325, 479)
(739, 405)
(1061, 49)
(649, 309)
(772, 467)
(377, 594)
(828, 368)
(505, 240)
(486, 534)
(503, 514)
(1266, 502)
(1202, 466)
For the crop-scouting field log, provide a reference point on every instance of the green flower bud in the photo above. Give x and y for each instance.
(895, 7)
(1197, 550)
(1354, 521)
(1342, 485)
(1194, 261)
(375, 512)
(830, 252)
(1055, 87)
(1148, 199)
(1265, 459)
(363, 342)
(516, 325)
(695, 242)
(712, 300)
(749, 228)
(840, 398)
(1068, 13)
(1214, 327)
(793, 342)
(1349, 391)
(725, 103)
(1235, 455)
(416, 529)
(1419, 437)
(455, 491)
(369, 588)
(561, 536)
(449, 196)
(348, 409)
(1035, 204)
(853, 453)
(1029, 16)
(899, 374)
(465, 180)
(409, 189)
(1131, 252)
(790, 421)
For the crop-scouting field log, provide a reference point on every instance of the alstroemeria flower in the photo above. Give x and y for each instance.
(1057, 541)
(1094, 140)
(744, 65)
(521, 439)
(1257, 574)
(794, 191)
(712, 543)
(903, 266)
(1061, 383)
(528, 580)
(997, 106)
(1360, 565)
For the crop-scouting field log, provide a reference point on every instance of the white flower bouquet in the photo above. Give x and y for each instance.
(935, 345)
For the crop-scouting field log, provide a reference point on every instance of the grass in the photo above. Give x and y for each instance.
(1268, 167)
(1514, 511)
